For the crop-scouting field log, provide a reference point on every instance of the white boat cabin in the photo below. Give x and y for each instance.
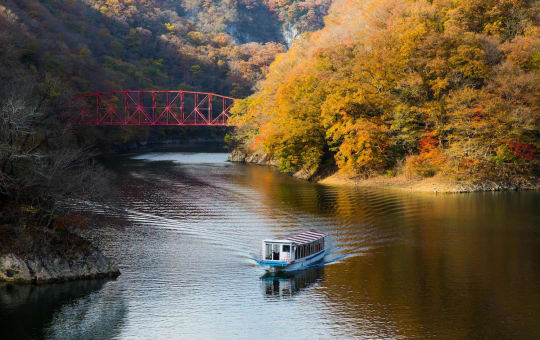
(293, 247)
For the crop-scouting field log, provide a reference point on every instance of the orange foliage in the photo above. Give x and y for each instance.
(438, 84)
(429, 161)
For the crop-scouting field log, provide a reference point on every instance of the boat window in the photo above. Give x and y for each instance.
(286, 248)
(268, 251)
(275, 252)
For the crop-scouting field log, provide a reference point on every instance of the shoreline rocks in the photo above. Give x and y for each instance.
(437, 184)
(37, 256)
(240, 156)
(53, 268)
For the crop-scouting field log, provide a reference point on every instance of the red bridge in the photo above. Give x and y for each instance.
(151, 108)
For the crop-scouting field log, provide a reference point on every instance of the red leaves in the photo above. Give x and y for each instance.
(428, 143)
(478, 111)
(522, 150)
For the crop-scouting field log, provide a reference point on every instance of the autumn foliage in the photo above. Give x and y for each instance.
(429, 87)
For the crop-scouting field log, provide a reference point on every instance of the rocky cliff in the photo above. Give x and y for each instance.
(240, 155)
(40, 256)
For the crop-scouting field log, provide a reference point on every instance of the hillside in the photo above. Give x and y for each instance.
(68, 47)
(221, 46)
(418, 89)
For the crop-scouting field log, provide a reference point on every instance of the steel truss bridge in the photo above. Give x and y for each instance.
(145, 108)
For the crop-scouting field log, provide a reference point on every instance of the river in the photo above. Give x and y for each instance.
(186, 225)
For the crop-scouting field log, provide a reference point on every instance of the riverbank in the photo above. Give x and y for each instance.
(436, 184)
(39, 255)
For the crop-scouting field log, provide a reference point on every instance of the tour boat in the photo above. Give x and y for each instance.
(293, 252)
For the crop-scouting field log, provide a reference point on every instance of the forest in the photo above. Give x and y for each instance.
(91, 45)
(363, 88)
(411, 88)
(53, 50)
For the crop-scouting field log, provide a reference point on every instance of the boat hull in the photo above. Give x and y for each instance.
(277, 266)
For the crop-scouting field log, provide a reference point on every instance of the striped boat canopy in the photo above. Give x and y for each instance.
(305, 236)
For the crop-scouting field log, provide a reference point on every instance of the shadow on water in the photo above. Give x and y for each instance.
(74, 309)
(286, 285)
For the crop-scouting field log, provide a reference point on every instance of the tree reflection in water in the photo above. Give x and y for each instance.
(72, 310)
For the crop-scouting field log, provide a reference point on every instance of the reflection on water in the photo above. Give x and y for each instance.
(401, 265)
(99, 315)
(88, 309)
(286, 285)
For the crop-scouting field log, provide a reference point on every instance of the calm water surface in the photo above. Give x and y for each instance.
(402, 265)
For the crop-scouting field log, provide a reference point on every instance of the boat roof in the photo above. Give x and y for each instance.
(305, 236)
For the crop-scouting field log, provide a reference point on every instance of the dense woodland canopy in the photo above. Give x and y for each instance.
(424, 88)
(215, 45)
(91, 45)
(53, 50)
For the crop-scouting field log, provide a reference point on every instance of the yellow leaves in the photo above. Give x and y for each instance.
(169, 26)
(470, 61)
(364, 146)
(524, 51)
(222, 39)
(368, 98)
(242, 112)
(410, 38)
(301, 97)
(438, 85)
(196, 37)
(493, 28)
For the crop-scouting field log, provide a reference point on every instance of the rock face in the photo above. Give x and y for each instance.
(13, 269)
(260, 158)
(53, 268)
(40, 257)
(241, 156)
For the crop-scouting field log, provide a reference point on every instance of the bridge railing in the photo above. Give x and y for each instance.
(147, 107)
